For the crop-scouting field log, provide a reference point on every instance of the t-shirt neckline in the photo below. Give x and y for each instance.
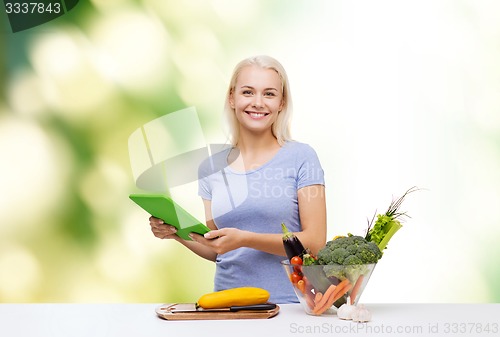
(267, 163)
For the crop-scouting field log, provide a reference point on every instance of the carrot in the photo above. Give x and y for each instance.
(342, 292)
(341, 285)
(333, 296)
(355, 290)
(302, 286)
(325, 297)
(318, 297)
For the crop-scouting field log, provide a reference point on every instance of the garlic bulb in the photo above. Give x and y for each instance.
(345, 311)
(361, 314)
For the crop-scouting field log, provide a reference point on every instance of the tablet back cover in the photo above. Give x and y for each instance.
(163, 207)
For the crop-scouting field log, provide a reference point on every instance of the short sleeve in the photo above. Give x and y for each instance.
(310, 171)
(208, 170)
(204, 188)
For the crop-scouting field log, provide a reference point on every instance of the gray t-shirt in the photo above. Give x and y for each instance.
(259, 201)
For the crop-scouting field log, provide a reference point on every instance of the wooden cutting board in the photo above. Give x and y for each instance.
(164, 312)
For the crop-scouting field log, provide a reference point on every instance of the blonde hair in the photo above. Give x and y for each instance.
(281, 127)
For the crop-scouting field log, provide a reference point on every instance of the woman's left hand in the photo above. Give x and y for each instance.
(221, 240)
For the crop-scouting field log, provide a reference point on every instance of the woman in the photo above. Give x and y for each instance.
(263, 180)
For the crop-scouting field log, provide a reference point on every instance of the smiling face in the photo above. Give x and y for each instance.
(257, 98)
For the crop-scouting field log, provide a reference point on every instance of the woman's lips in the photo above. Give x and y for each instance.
(257, 115)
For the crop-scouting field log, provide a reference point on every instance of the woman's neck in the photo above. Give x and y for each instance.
(255, 143)
(253, 151)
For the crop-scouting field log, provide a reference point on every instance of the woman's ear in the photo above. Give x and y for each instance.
(231, 100)
(282, 104)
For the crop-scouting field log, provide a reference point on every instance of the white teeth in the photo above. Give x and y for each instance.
(257, 115)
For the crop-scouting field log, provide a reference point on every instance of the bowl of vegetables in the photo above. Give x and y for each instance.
(338, 275)
(342, 268)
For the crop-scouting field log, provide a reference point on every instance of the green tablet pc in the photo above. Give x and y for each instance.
(163, 207)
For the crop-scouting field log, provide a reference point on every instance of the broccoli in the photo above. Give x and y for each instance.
(347, 257)
(351, 272)
(349, 250)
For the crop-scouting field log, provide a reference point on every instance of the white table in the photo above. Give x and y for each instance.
(124, 320)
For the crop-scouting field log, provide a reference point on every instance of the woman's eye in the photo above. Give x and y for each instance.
(270, 94)
(246, 92)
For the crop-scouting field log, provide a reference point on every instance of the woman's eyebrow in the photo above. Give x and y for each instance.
(250, 87)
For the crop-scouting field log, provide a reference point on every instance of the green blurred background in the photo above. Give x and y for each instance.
(391, 94)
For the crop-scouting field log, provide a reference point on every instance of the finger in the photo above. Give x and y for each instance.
(163, 231)
(166, 228)
(157, 233)
(213, 234)
(155, 221)
(198, 238)
(217, 245)
(163, 227)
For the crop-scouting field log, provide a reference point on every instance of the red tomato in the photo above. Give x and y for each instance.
(297, 262)
(295, 277)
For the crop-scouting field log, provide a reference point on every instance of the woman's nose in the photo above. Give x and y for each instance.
(257, 102)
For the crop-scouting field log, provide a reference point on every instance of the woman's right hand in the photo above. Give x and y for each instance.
(162, 230)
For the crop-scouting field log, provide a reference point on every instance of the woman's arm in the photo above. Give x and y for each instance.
(205, 251)
(312, 211)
